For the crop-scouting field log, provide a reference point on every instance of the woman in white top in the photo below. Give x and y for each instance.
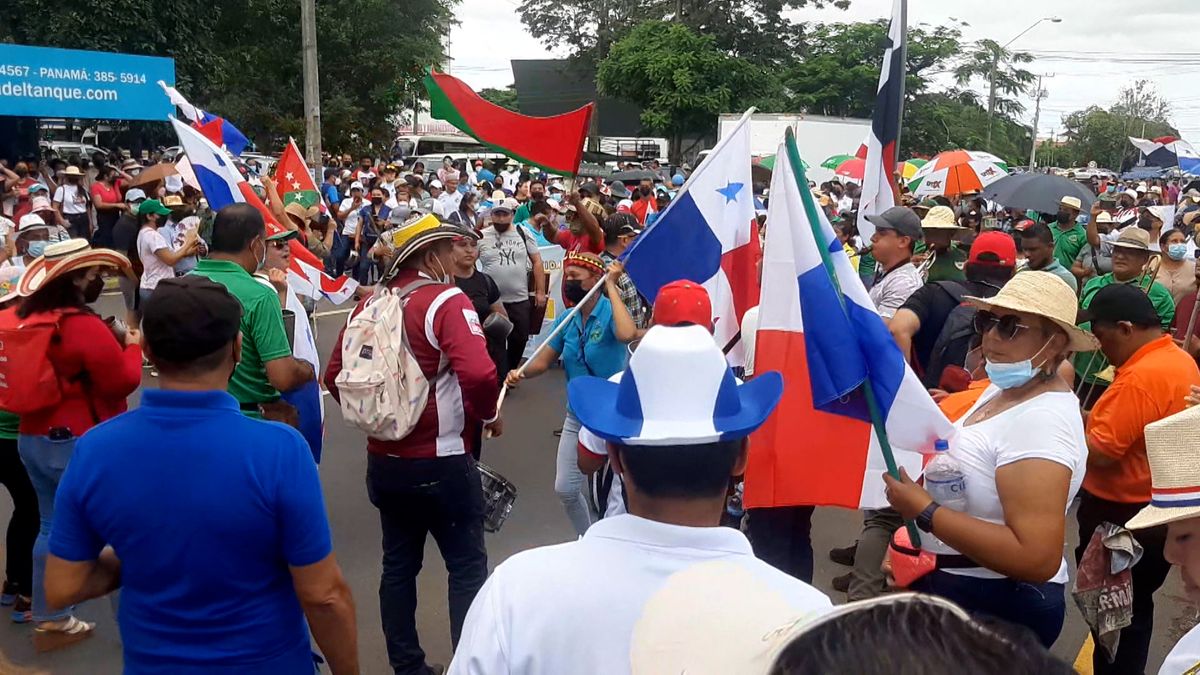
(155, 253)
(1023, 454)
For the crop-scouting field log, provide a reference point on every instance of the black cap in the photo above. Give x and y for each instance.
(588, 187)
(189, 317)
(902, 219)
(1121, 302)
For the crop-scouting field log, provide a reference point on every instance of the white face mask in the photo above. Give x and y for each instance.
(445, 277)
(259, 264)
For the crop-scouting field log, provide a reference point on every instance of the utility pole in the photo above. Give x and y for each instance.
(1037, 111)
(992, 74)
(312, 87)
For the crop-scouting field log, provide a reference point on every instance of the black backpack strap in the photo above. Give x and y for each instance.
(954, 289)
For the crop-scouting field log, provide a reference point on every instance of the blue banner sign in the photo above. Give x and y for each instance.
(46, 82)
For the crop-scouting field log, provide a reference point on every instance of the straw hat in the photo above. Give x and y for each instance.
(409, 238)
(1104, 217)
(1172, 444)
(72, 171)
(1047, 296)
(1135, 238)
(65, 257)
(940, 218)
(1071, 202)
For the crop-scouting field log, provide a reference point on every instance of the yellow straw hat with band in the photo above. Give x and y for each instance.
(1172, 444)
(64, 257)
(410, 237)
(1047, 296)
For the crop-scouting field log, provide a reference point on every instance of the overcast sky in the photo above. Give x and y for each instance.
(1108, 43)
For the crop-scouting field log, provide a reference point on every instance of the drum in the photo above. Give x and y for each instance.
(498, 497)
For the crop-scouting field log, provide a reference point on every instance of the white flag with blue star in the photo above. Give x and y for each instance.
(708, 234)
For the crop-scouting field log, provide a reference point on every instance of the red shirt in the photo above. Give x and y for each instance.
(446, 339)
(109, 195)
(579, 243)
(24, 204)
(97, 373)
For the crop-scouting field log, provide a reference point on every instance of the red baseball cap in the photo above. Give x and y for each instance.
(683, 302)
(999, 245)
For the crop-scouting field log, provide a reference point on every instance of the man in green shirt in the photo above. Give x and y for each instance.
(1038, 246)
(1131, 253)
(239, 248)
(940, 227)
(1069, 236)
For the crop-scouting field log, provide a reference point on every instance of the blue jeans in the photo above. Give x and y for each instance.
(341, 251)
(1038, 607)
(46, 460)
(569, 480)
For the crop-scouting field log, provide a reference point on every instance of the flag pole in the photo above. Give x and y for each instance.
(810, 210)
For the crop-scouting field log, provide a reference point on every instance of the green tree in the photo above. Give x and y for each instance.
(241, 58)
(757, 30)
(1102, 136)
(505, 98)
(680, 79)
(948, 120)
(838, 72)
(986, 60)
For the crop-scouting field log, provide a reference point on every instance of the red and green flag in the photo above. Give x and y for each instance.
(553, 143)
(294, 180)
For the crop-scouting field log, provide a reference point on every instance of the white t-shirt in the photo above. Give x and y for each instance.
(72, 197)
(511, 178)
(1048, 426)
(1184, 656)
(572, 608)
(892, 291)
(154, 270)
(449, 201)
(353, 217)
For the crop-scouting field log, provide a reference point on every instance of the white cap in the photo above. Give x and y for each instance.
(30, 220)
(1130, 193)
(435, 183)
(135, 194)
(174, 183)
(356, 185)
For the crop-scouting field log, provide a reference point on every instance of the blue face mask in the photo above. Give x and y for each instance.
(1012, 375)
(37, 248)
(1177, 251)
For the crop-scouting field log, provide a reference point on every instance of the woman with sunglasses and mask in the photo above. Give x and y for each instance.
(589, 345)
(1023, 453)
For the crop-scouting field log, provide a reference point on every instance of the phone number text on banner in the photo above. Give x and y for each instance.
(47, 82)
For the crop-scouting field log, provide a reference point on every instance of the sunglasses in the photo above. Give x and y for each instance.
(1007, 326)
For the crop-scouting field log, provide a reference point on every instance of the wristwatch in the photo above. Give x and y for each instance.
(925, 518)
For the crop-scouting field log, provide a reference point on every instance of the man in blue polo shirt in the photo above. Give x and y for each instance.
(211, 523)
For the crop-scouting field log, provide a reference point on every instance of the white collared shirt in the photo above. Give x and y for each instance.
(572, 608)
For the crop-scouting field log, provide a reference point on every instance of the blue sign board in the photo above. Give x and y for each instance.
(46, 82)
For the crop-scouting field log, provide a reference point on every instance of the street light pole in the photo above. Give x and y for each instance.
(312, 86)
(992, 74)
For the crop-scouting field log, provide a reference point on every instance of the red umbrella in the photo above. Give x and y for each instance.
(852, 168)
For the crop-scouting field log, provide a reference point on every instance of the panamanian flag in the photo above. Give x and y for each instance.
(222, 185)
(818, 327)
(879, 181)
(213, 127)
(708, 234)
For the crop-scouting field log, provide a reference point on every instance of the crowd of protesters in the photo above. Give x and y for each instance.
(1056, 342)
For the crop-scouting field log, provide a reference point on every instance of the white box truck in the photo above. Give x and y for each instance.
(817, 136)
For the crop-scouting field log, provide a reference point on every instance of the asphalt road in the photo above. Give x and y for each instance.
(525, 455)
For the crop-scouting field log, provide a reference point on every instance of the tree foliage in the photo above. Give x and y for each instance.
(241, 58)
(681, 79)
(1100, 135)
(985, 60)
(505, 98)
(757, 30)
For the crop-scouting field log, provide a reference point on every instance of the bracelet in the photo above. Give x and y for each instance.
(925, 518)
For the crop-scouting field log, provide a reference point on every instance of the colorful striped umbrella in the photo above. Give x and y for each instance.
(956, 172)
(852, 168)
(908, 168)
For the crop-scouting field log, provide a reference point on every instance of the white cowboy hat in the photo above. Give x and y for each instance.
(677, 390)
(1172, 444)
(940, 218)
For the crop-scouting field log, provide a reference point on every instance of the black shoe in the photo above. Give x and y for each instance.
(842, 584)
(844, 556)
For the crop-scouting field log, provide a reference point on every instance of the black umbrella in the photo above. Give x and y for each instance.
(1037, 192)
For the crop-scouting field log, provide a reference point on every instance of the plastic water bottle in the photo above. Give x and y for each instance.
(945, 482)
